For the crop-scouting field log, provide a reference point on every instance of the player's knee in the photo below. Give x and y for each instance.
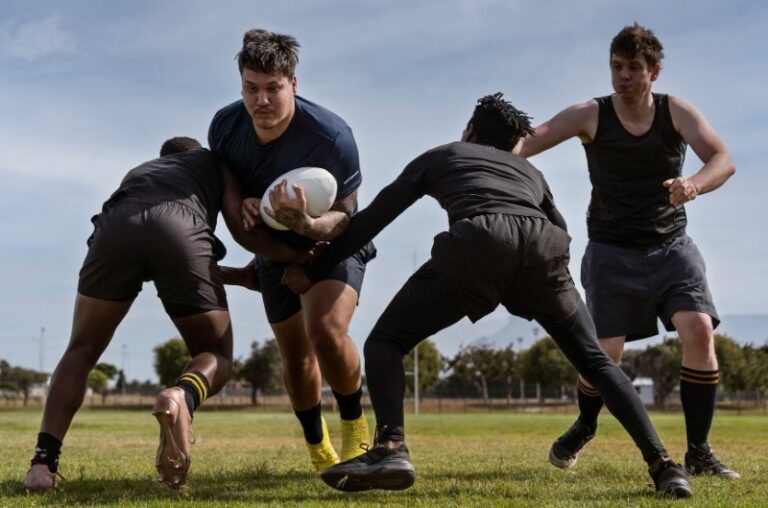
(327, 335)
(297, 367)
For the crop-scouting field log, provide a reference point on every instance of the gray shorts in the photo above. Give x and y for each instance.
(629, 289)
(168, 243)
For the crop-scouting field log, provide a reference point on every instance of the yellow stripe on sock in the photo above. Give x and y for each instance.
(689, 379)
(703, 377)
(586, 390)
(197, 383)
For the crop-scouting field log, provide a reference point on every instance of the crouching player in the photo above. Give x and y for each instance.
(159, 225)
(507, 244)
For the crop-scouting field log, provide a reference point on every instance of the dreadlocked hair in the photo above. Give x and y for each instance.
(498, 123)
(268, 52)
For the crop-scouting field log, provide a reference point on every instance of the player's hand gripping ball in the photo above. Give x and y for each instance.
(319, 188)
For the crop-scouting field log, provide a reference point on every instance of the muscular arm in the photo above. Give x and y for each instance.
(393, 200)
(292, 214)
(257, 240)
(707, 145)
(579, 120)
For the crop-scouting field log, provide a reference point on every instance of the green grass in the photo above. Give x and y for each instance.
(247, 458)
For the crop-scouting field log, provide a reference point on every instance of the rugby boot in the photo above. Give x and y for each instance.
(172, 460)
(378, 468)
(671, 480)
(699, 460)
(322, 454)
(565, 450)
(39, 477)
(354, 437)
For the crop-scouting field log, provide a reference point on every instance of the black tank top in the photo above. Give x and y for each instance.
(629, 204)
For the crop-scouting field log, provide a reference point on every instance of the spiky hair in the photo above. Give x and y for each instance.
(268, 52)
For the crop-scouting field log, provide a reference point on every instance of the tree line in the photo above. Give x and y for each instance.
(478, 370)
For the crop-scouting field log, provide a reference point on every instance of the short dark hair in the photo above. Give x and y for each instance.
(635, 40)
(268, 52)
(498, 123)
(179, 144)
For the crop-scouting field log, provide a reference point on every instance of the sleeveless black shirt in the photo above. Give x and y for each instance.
(629, 205)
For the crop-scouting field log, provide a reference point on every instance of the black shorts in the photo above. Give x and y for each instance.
(168, 243)
(280, 303)
(519, 262)
(628, 289)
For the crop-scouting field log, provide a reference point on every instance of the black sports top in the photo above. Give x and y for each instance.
(629, 204)
(467, 179)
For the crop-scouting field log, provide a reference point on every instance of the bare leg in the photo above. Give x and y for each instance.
(93, 325)
(328, 308)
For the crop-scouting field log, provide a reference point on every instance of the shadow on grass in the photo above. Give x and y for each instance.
(287, 487)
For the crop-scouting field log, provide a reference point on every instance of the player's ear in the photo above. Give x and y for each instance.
(468, 133)
(655, 70)
(294, 84)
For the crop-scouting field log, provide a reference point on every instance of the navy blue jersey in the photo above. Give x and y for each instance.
(315, 137)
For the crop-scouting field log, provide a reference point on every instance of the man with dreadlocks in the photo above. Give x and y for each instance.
(640, 265)
(507, 244)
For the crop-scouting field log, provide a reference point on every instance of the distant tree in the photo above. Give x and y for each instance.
(97, 381)
(629, 362)
(430, 365)
(508, 370)
(170, 358)
(661, 363)
(476, 365)
(545, 364)
(108, 369)
(262, 369)
(121, 384)
(734, 368)
(23, 379)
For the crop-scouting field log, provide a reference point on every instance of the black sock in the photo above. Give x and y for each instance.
(311, 423)
(349, 405)
(196, 388)
(590, 404)
(386, 433)
(698, 391)
(47, 451)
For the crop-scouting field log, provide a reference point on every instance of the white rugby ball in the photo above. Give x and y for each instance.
(319, 188)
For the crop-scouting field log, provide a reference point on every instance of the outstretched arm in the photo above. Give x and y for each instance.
(393, 200)
(579, 120)
(707, 145)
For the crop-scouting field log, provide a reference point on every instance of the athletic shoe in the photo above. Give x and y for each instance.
(699, 460)
(322, 454)
(671, 480)
(40, 478)
(354, 437)
(172, 460)
(378, 468)
(565, 450)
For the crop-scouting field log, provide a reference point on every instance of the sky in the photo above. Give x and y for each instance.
(89, 90)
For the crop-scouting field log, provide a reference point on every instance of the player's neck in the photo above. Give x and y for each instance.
(636, 114)
(634, 108)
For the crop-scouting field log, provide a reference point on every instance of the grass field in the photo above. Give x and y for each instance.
(247, 458)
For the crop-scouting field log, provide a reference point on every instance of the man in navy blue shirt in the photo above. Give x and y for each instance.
(267, 133)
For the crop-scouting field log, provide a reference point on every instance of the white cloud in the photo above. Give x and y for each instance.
(36, 39)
